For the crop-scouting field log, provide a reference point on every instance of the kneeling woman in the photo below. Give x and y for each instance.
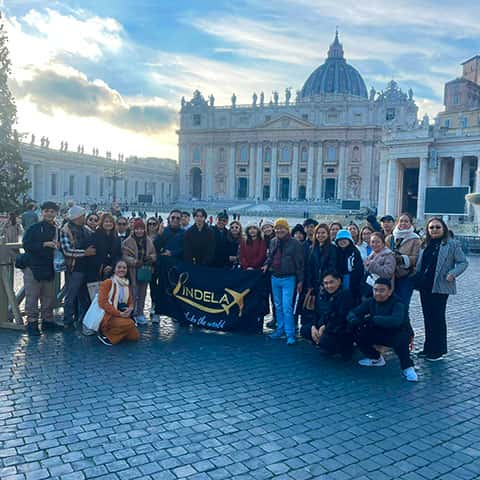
(328, 326)
(116, 299)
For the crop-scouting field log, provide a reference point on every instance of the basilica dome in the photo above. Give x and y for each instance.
(335, 76)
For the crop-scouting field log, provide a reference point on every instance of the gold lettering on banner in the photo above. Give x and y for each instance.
(193, 297)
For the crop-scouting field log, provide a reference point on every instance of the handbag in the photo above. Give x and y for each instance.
(309, 302)
(59, 264)
(94, 315)
(144, 274)
(93, 288)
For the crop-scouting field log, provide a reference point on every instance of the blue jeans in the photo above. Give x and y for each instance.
(404, 289)
(283, 289)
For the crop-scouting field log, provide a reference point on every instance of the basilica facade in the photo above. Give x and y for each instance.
(323, 145)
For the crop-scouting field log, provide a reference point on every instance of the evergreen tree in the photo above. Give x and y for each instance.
(13, 172)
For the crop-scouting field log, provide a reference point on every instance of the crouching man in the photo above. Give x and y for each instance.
(383, 320)
(327, 325)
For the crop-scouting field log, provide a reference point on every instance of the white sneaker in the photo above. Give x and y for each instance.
(372, 362)
(141, 320)
(155, 318)
(410, 374)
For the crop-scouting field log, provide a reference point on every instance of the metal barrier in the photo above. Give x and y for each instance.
(470, 244)
(11, 313)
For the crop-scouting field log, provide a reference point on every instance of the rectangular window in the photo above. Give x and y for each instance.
(268, 118)
(303, 170)
(102, 186)
(197, 119)
(71, 185)
(243, 169)
(266, 170)
(390, 114)
(456, 99)
(53, 185)
(447, 123)
(331, 154)
(136, 188)
(464, 122)
(305, 116)
(125, 189)
(87, 185)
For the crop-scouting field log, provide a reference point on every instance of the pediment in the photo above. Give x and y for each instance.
(286, 122)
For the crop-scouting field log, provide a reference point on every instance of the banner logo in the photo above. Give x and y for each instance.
(206, 300)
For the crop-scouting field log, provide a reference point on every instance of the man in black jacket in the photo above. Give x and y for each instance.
(40, 242)
(327, 325)
(383, 320)
(199, 241)
(222, 244)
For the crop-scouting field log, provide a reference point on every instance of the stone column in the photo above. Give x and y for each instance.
(342, 171)
(392, 186)
(422, 184)
(367, 173)
(251, 172)
(382, 185)
(183, 170)
(209, 173)
(231, 173)
(319, 175)
(273, 174)
(457, 171)
(294, 185)
(259, 173)
(477, 176)
(310, 165)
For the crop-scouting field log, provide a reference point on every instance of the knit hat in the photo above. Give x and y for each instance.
(138, 223)
(281, 223)
(341, 234)
(298, 228)
(266, 221)
(76, 212)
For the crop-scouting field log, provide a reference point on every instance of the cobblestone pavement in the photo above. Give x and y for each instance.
(192, 404)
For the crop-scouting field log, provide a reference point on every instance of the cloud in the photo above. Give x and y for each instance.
(73, 93)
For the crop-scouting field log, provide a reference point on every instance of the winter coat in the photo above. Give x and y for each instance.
(253, 254)
(291, 260)
(11, 233)
(222, 248)
(130, 255)
(451, 260)
(199, 245)
(349, 263)
(382, 263)
(39, 258)
(318, 263)
(171, 240)
(331, 310)
(108, 252)
(406, 254)
(391, 314)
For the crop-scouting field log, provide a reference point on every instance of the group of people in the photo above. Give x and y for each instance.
(346, 285)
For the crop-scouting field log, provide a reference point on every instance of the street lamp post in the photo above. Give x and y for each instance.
(116, 172)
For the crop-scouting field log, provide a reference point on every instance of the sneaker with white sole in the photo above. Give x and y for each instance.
(104, 340)
(372, 362)
(410, 374)
(141, 320)
(155, 318)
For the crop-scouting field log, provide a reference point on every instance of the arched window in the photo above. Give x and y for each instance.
(268, 155)
(285, 154)
(243, 153)
(197, 155)
(304, 155)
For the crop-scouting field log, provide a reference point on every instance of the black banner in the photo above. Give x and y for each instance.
(212, 298)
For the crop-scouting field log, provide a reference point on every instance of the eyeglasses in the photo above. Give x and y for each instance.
(121, 224)
(92, 219)
(175, 218)
(435, 227)
(234, 228)
(152, 224)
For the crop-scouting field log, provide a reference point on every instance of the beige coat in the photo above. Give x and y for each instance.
(382, 263)
(406, 253)
(130, 255)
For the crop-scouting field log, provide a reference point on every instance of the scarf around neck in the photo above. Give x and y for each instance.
(404, 234)
(118, 284)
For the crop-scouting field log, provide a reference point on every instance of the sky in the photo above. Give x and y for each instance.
(110, 74)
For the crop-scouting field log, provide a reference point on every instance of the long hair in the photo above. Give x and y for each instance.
(315, 242)
(248, 238)
(446, 231)
(240, 232)
(106, 216)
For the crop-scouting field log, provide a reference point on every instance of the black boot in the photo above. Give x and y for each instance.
(33, 330)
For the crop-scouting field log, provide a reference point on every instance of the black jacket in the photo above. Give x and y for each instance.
(109, 251)
(320, 260)
(222, 248)
(199, 246)
(39, 258)
(349, 262)
(171, 240)
(391, 314)
(331, 310)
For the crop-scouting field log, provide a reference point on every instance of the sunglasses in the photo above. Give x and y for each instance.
(92, 219)
(151, 224)
(435, 227)
(122, 224)
(234, 228)
(175, 218)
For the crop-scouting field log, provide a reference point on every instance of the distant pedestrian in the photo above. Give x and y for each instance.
(12, 229)
(29, 217)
